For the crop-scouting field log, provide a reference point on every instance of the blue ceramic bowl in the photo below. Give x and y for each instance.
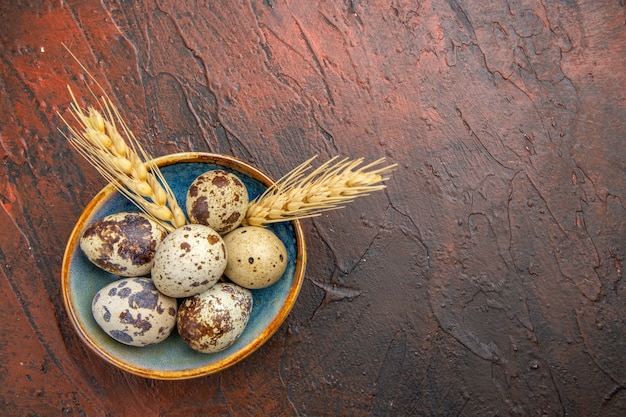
(173, 359)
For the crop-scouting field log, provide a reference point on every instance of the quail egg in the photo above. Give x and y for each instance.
(218, 199)
(213, 320)
(133, 312)
(189, 261)
(257, 258)
(123, 243)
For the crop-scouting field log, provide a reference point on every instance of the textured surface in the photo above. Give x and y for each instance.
(487, 280)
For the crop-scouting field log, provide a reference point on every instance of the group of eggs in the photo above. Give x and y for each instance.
(196, 279)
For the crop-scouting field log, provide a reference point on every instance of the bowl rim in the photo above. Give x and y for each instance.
(237, 356)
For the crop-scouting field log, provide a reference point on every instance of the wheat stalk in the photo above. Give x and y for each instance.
(124, 163)
(301, 195)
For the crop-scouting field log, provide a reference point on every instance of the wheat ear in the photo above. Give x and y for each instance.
(300, 194)
(124, 163)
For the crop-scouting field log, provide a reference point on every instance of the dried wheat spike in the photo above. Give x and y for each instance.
(300, 194)
(122, 162)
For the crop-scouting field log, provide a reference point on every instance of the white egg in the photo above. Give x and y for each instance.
(189, 261)
(133, 312)
(218, 199)
(123, 243)
(257, 258)
(212, 321)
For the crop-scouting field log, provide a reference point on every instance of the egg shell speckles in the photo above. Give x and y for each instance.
(134, 313)
(189, 261)
(257, 258)
(218, 199)
(123, 243)
(212, 321)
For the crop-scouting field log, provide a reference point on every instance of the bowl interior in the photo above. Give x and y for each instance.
(172, 358)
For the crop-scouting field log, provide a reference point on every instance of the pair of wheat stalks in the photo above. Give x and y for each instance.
(99, 137)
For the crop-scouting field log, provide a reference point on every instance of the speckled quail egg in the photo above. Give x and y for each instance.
(212, 321)
(257, 258)
(189, 261)
(123, 243)
(133, 312)
(218, 199)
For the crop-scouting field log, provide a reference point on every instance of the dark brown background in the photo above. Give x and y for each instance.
(488, 279)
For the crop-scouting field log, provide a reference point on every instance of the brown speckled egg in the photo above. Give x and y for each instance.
(123, 243)
(212, 321)
(218, 199)
(189, 261)
(133, 312)
(257, 258)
